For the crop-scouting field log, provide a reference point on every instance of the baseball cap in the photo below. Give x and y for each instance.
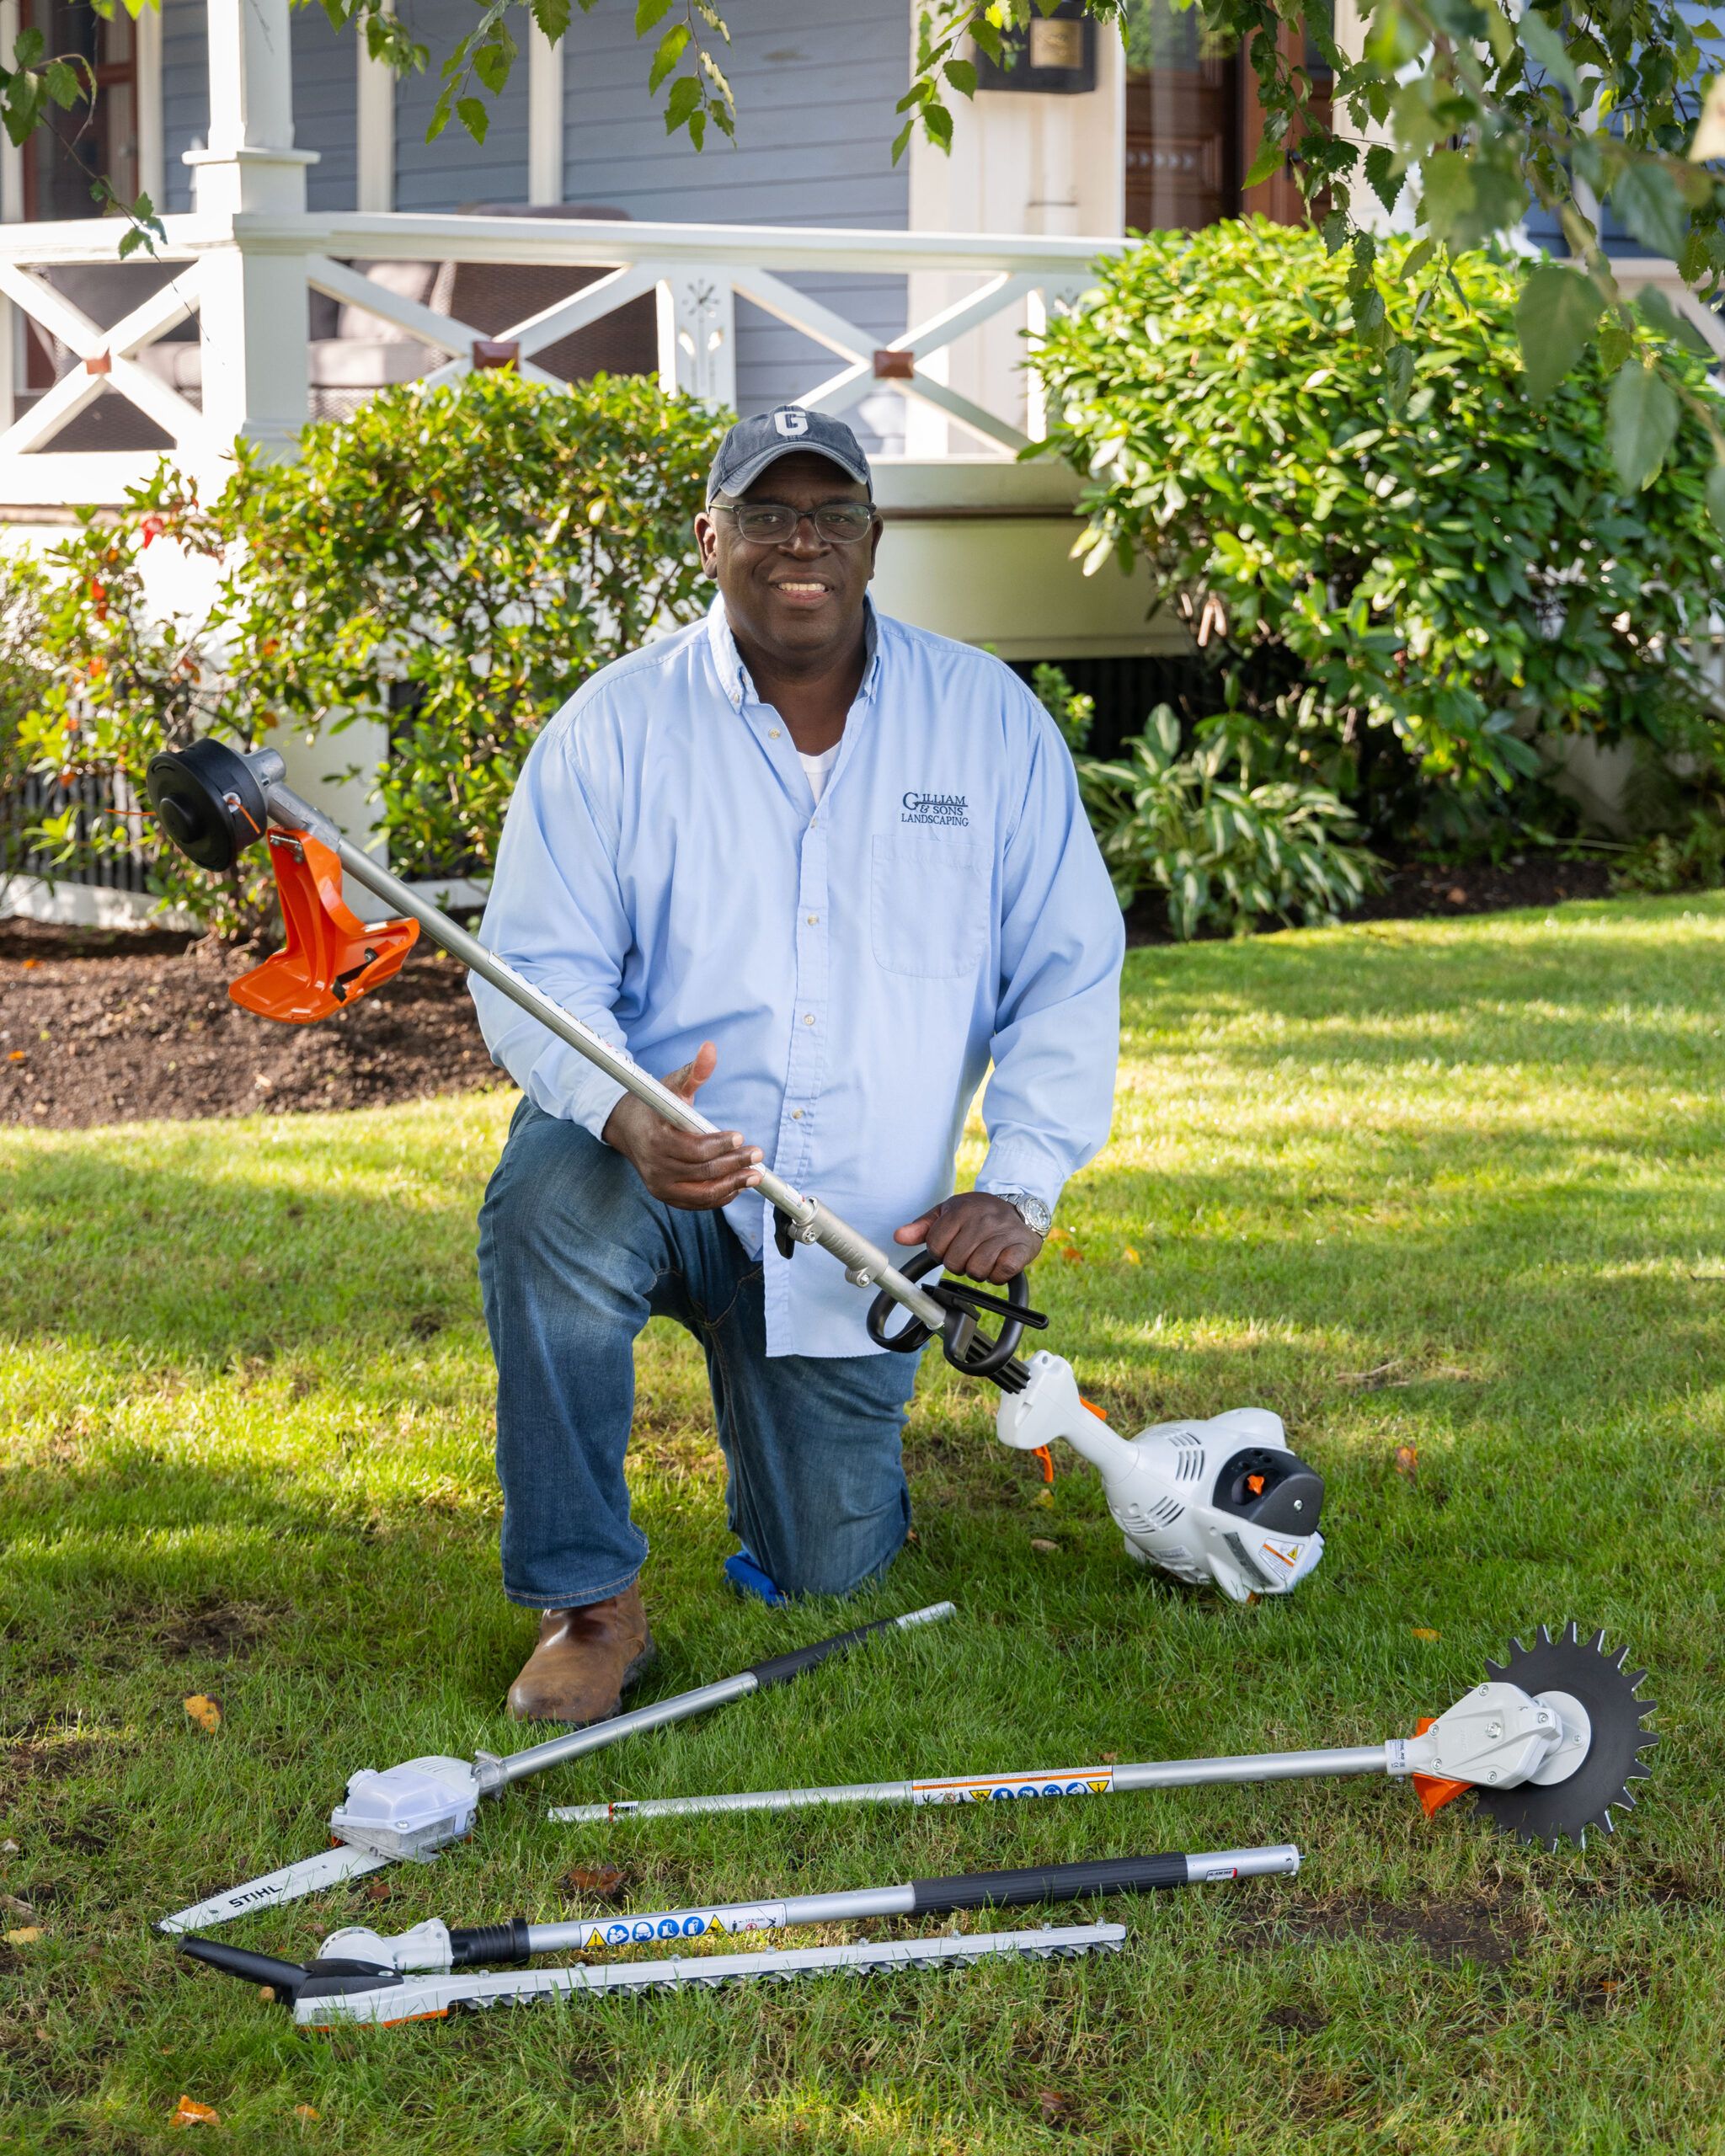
(753, 445)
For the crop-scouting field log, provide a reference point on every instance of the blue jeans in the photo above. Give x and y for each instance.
(574, 1258)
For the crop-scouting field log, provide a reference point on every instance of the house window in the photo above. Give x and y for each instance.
(71, 149)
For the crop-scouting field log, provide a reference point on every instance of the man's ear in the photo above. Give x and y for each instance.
(707, 539)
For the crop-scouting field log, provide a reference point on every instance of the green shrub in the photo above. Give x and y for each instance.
(455, 562)
(459, 561)
(105, 680)
(1223, 829)
(1407, 578)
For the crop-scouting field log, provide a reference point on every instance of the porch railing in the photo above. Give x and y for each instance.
(242, 282)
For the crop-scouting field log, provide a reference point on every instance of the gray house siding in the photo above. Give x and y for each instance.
(186, 93)
(326, 102)
(454, 170)
(815, 89)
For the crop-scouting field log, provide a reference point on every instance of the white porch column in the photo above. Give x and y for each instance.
(255, 313)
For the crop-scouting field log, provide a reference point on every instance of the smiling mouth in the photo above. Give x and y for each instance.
(800, 588)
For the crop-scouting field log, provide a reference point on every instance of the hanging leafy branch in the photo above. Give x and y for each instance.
(39, 86)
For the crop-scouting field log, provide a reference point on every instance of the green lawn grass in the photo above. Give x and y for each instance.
(1453, 1188)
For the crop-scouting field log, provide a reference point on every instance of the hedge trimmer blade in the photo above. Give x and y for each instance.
(1568, 1673)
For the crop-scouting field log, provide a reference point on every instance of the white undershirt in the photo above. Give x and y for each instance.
(819, 768)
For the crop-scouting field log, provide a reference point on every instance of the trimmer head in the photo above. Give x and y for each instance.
(1568, 1674)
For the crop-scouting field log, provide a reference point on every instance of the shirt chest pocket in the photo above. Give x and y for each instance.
(929, 905)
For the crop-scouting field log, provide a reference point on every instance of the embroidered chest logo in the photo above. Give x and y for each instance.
(949, 808)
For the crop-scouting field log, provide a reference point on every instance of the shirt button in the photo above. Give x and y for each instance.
(808, 1018)
(796, 1115)
(772, 733)
(813, 919)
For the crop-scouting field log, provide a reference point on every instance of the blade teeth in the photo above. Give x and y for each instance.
(1543, 1638)
(1618, 1659)
(1632, 1678)
(1572, 1634)
(1497, 1669)
(1597, 1643)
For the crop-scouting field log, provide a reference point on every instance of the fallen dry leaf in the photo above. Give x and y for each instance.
(594, 1878)
(15, 1055)
(185, 2112)
(30, 965)
(204, 1710)
(1045, 1498)
(8, 1848)
(1041, 1542)
(1071, 1253)
(1425, 1632)
(1131, 1255)
(376, 1890)
(26, 1935)
(306, 2112)
(14, 1908)
(1108, 1759)
(1051, 2103)
(1407, 1461)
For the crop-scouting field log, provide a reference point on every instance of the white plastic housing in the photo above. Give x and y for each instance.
(410, 1810)
(1159, 1484)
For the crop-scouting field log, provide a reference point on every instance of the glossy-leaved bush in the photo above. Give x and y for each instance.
(1414, 573)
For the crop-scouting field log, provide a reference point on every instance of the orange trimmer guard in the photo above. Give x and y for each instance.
(332, 958)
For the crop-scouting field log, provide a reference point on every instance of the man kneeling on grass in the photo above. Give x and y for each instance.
(823, 868)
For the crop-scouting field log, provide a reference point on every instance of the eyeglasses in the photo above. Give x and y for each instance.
(771, 524)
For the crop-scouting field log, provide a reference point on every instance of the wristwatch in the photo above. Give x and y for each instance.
(1035, 1216)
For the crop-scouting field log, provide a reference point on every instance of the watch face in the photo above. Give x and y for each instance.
(1030, 1210)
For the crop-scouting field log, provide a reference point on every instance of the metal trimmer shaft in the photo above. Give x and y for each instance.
(989, 1789)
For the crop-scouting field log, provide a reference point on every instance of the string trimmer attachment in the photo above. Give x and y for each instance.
(1547, 1745)
(328, 1993)
(1223, 1501)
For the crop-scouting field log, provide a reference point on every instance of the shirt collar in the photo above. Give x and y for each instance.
(733, 675)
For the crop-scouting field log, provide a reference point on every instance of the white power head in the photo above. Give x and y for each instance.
(1223, 1501)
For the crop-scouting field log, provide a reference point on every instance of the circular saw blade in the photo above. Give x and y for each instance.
(1598, 1679)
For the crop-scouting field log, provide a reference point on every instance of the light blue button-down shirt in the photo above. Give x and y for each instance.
(666, 874)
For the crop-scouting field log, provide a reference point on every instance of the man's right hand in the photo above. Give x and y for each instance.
(680, 1167)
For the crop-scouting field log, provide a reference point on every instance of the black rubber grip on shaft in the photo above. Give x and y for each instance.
(286, 1978)
(489, 1942)
(1049, 1882)
(782, 1668)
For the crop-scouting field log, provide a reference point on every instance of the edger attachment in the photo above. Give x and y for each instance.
(1547, 1745)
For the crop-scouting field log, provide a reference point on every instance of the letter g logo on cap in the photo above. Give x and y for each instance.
(790, 421)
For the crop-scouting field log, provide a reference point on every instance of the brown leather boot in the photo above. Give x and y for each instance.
(586, 1659)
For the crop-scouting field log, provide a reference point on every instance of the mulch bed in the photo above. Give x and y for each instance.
(119, 1026)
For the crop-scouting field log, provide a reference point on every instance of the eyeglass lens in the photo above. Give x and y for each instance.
(841, 524)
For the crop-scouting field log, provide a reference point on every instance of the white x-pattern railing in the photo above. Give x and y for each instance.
(697, 273)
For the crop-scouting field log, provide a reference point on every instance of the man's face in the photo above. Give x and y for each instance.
(800, 597)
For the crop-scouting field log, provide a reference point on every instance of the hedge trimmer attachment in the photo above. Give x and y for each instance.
(361, 1975)
(1547, 1745)
(1224, 1501)
(409, 1813)
(328, 1993)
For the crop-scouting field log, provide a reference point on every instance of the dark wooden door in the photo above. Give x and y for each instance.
(1181, 157)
